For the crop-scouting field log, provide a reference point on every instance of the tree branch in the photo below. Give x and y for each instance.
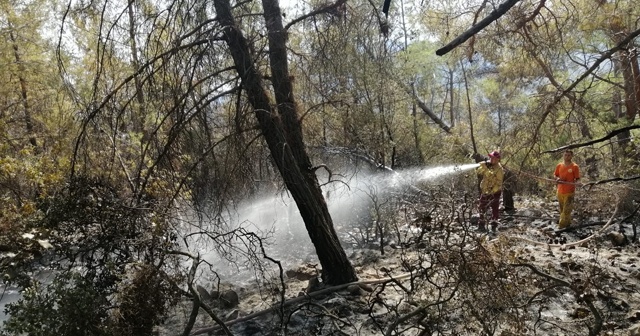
(494, 15)
(596, 313)
(623, 44)
(305, 297)
(583, 144)
(423, 106)
(320, 10)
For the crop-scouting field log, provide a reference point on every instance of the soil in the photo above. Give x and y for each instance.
(440, 277)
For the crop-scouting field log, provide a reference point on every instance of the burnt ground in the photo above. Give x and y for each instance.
(438, 275)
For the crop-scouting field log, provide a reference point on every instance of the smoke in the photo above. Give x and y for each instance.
(276, 217)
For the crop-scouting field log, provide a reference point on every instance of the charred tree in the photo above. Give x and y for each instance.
(282, 130)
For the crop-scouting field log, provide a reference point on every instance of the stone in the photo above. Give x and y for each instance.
(634, 316)
(355, 290)
(617, 238)
(580, 312)
(229, 298)
(366, 287)
(205, 296)
(314, 285)
(301, 273)
(634, 331)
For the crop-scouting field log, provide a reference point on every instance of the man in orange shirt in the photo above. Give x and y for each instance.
(567, 176)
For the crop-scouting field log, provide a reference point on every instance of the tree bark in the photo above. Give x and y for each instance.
(629, 66)
(494, 15)
(138, 113)
(23, 89)
(282, 131)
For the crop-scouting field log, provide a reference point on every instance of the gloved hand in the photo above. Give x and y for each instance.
(479, 157)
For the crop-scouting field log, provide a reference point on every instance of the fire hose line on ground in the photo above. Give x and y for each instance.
(582, 241)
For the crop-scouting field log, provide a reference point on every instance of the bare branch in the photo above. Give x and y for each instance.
(596, 314)
(308, 296)
(423, 106)
(323, 9)
(623, 44)
(496, 14)
(583, 144)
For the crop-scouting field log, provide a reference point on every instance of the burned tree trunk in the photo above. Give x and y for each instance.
(282, 131)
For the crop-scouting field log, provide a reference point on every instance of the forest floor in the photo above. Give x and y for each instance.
(451, 279)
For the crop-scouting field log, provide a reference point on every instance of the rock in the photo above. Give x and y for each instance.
(302, 273)
(355, 290)
(314, 285)
(366, 287)
(339, 306)
(205, 296)
(617, 238)
(580, 312)
(634, 316)
(229, 298)
(215, 294)
(634, 331)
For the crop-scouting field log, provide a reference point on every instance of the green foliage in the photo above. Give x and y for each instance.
(91, 227)
(70, 306)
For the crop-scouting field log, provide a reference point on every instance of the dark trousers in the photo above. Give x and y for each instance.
(486, 200)
(507, 200)
(508, 189)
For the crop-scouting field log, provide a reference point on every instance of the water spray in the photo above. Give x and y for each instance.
(435, 172)
(408, 177)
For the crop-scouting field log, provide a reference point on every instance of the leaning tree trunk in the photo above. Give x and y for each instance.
(23, 89)
(282, 131)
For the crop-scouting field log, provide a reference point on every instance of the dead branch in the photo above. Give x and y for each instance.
(533, 15)
(580, 242)
(420, 310)
(423, 106)
(494, 15)
(197, 303)
(473, 38)
(466, 87)
(572, 228)
(323, 9)
(583, 144)
(614, 179)
(308, 296)
(596, 313)
(607, 55)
